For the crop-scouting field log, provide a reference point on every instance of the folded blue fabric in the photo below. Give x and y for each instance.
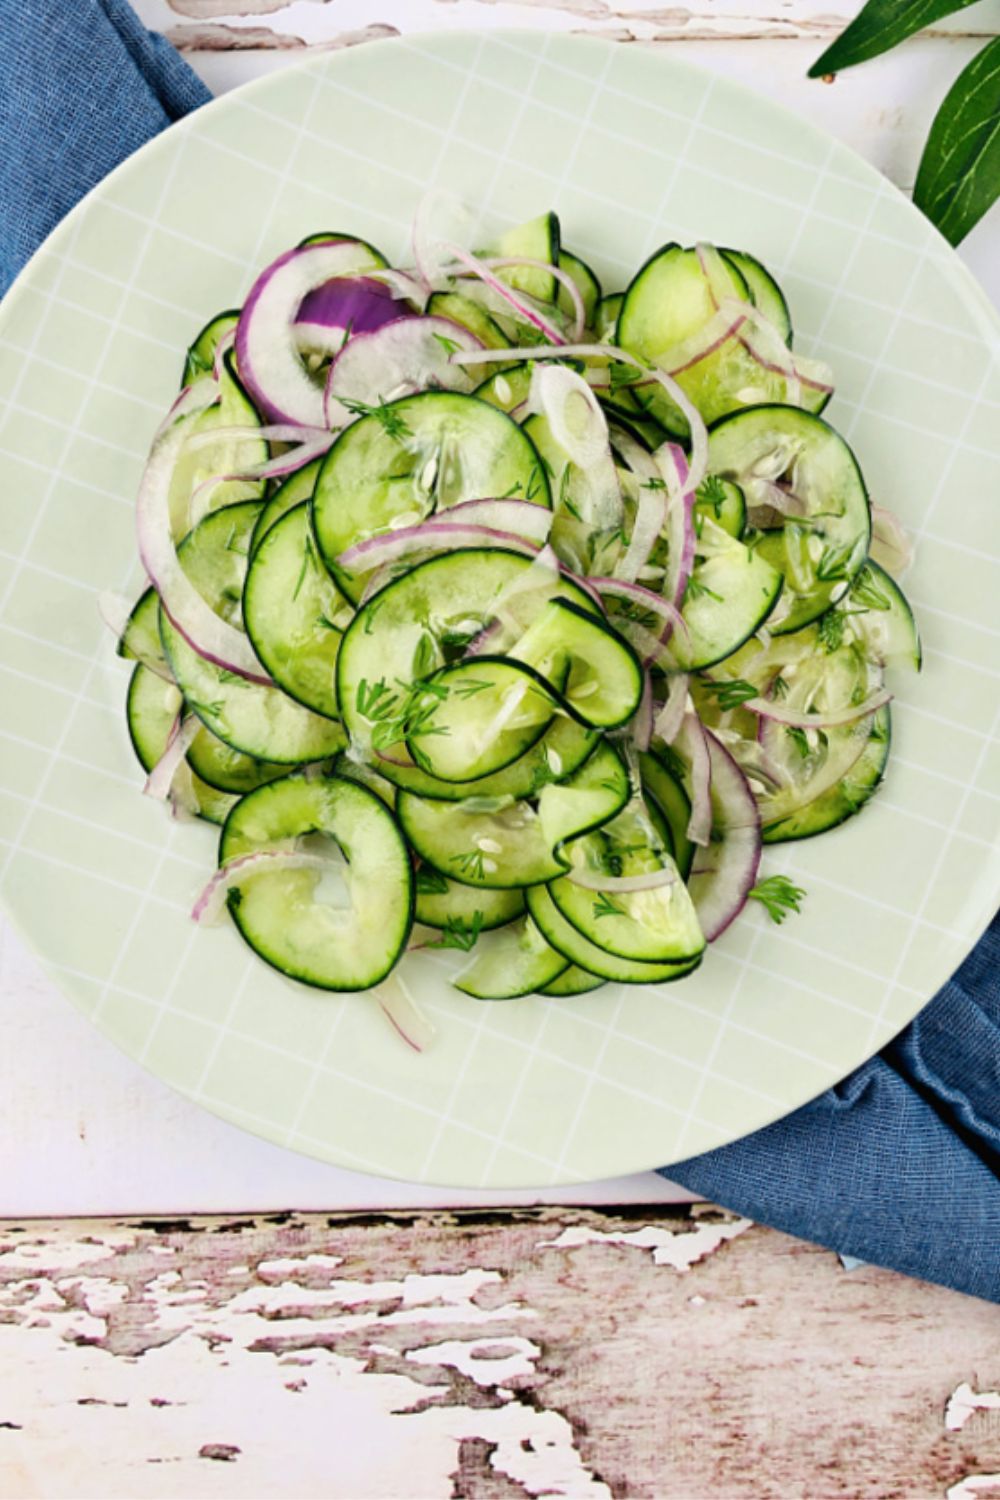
(898, 1164)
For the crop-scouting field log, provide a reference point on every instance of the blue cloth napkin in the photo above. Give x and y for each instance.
(897, 1165)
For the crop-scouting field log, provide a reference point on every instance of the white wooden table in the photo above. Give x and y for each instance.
(646, 1351)
(82, 1129)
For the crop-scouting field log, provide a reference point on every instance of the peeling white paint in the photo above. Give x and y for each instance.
(291, 1265)
(964, 1401)
(972, 1486)
(480, 1359)
(680, 1250)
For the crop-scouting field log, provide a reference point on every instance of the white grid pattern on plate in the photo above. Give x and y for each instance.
(555, 1153)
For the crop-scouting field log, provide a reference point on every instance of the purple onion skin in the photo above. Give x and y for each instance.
(356, 302)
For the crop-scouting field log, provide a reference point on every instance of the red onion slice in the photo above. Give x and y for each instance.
(518, 517)
(692, 743)
(891, 547)
(573, 412)
(646, 599)
(725, 323)
(391, 546)
(824, 719)
(668, 721)
(400, 1008)
(650, 514)
(565, 280)
(269, 361)
(642, 722)
(211, 904)
(197, 622)
(524, 311)
(398, 359)
(341, 308)
(680, 520)
(161, 777)
(724, 871)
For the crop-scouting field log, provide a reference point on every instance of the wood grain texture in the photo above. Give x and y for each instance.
(670, 1354)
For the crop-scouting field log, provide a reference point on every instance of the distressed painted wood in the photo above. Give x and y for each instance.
(673, 1354)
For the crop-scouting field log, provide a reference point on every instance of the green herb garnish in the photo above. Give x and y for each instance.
(779, 896)
(731, 693)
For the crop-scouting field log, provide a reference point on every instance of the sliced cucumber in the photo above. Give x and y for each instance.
(192, 493)
(573, 981)
(662, 782)
(200, 359)
(150, 711)
(721, 501)
(730, 593)
(820, 552)
(569, 941)
(226, 769)
(654, 926)
(586, 532)
(263, 722)
(448, 903)
(366, 775)
(513, 844)
(538, 239)
(764, 290)
(477, 716)
(468, 314)
(342, 931)
(514, 960)
(140, 640)
(296, 488)
(411, 457)
(606, 317)
(846, 798)
(294, 613)
(422, 621)
(878, 614)
(562, 749)
(507, 389)
(600, 675)
(586, 283)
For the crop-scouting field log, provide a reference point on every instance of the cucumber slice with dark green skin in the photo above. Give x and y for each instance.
(511, 961)
(351, 939)
(150, 711)
(357, 770)
(290, 493)
(566, 939)
(513, 844)
(730, 594)
(467, 314)
(573, 981)
(662, 783)
(562, 749)
(507, 389)
(261, 721)
(477, 716)
(226, 769)
(140, 640)
(294, 613)
(600, 674)
(200, 358)
(538, 239)
(764, 290)
(666, 302)
(448, 903)
(421, 621)
(421, 454)
(820, 552)
(196, 466)
(846, 798)
(586, 282)
(654, 926)
(721, 501)
(878, 614)
(606, 317)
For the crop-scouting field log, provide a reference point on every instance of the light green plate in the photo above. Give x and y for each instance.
(632, 149)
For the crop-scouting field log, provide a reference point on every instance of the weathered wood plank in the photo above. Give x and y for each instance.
(668, 1354)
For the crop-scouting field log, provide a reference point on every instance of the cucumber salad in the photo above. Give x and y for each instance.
(488, 611)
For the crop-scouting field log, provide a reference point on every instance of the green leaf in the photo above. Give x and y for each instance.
(959, 174)
(778, 895)
(881, 25)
